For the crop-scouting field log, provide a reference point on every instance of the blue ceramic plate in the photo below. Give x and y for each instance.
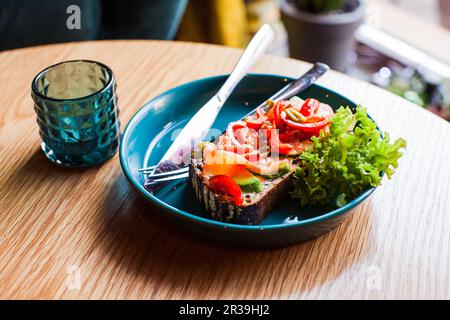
(148, 135)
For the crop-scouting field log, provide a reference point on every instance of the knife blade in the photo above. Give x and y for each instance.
(179, 153)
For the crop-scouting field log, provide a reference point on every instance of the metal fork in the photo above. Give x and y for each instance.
(163, 176)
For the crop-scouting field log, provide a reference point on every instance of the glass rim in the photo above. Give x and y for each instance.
(36, 92)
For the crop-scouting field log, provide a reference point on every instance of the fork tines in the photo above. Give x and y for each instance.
(163, 176)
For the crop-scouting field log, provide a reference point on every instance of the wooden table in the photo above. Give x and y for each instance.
(87, 234)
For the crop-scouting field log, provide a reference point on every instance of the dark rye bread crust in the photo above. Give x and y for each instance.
(253, 211)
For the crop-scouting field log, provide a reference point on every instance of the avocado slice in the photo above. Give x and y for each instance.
(248, 182)
(282, 170)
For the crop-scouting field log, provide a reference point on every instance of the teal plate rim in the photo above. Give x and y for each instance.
(211, 222)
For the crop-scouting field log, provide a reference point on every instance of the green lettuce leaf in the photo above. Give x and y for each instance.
(347, 161)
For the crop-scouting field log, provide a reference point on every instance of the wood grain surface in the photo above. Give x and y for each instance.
(58, 226)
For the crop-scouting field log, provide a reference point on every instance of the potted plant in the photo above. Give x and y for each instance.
(322, 30)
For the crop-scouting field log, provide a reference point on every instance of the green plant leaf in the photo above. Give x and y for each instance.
(320, 6)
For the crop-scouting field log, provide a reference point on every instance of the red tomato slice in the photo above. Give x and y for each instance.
(225, 185)
(309, 107)
(278, 108)
(256, 123)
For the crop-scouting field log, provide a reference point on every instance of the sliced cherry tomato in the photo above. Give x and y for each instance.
(245, 138)
(225, 185)
(278, 109)
(256, 123)
(309, 107)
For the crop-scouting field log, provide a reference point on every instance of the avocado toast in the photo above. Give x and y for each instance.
(247, 171)
(256, 205)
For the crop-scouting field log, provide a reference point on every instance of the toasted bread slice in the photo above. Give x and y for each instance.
(256, 206)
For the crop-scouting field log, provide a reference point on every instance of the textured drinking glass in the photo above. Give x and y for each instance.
(76, 107)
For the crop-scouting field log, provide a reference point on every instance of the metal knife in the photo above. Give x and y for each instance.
(291, 89)
(179, 153)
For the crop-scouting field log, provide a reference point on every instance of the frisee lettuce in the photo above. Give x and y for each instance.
(345, 162)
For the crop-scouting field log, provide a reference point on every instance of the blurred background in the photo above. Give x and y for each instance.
(400, 45)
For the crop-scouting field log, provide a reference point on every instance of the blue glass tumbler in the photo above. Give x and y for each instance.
(76, 107)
